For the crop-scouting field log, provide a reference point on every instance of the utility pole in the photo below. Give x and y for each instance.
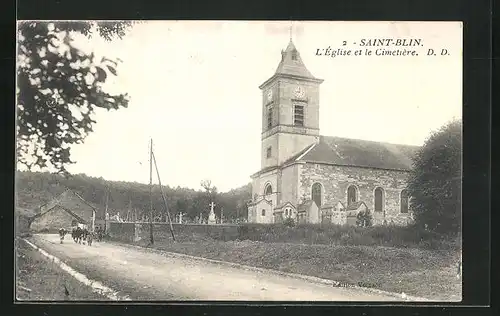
(129, 212)
(151, 192)
(106, 211)
(164, 199)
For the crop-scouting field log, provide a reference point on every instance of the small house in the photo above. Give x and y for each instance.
(65, 211)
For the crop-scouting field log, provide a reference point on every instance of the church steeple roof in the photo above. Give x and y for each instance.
(292, 64)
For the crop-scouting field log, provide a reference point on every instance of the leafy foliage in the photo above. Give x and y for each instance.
(364, 219)
(289, 222)
(59, 87)
(127, 198)
(435, 181)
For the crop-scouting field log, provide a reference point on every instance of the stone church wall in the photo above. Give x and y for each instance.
(336, 179)
(272, 142)
(259, 184)
(292, 144)
(289, 183)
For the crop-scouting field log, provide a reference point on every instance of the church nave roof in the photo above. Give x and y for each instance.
(358, 153)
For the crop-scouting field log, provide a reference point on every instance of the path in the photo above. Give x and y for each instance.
(146, 275)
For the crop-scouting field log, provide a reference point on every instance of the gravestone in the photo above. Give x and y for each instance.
(211, 216)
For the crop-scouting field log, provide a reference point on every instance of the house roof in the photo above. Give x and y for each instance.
(25, 212)
(304, 206)
(282, 205)
(356, 152)
(69, 201)
(353, 152)
(264, 170)
(69, 197)
(260, 200)
(355, 205)
(81, 220)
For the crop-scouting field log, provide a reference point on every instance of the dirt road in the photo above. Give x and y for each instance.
(143, 274)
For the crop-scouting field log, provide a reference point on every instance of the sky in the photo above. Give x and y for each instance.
(193, 88)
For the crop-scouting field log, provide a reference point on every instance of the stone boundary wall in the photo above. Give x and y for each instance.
(134, 232)
(324, 234)
(125, 232)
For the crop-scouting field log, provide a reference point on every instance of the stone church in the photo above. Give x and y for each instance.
(316, 179)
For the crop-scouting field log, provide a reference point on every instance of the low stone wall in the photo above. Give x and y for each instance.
(134, 232)
(390, 235)
(120, 231)
(189, 232)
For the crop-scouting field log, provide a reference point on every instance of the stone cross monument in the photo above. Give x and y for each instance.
(211, 216)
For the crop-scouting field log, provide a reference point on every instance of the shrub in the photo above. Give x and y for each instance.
(289, 222)
(364, 219)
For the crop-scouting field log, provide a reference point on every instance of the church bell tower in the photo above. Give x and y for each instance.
(290, 110)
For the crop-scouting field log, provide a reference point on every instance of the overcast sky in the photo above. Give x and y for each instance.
(194, 89)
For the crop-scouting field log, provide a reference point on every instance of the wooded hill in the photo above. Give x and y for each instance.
(34, 189)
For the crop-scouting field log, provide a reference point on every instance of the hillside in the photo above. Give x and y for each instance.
(35, 189)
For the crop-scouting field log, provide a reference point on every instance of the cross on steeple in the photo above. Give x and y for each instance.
(290, 30)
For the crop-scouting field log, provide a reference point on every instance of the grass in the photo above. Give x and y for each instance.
(313, 234)
(39, 279)
(326, 234)
(418, 272)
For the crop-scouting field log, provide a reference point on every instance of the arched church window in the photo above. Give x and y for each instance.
(316, 194)
(294, 55)
(352, 194)
(404, 201)
(379, 199)
(268, 190)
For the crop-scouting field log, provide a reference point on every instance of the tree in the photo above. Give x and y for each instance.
(434, 184)
(59, 87)
(199, 205)
(210, 190)
(181, 206)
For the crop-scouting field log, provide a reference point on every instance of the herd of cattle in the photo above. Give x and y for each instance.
(82, 235)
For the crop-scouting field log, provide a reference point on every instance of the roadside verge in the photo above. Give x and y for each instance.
(96, 286)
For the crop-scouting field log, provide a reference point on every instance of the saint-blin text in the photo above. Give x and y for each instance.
(392, 47)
